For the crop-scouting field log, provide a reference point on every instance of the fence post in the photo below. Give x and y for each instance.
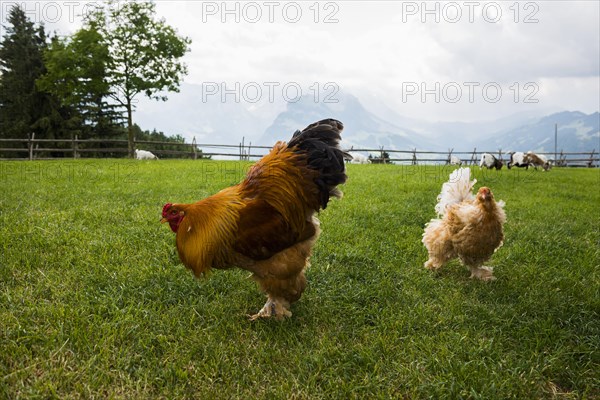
(590, 163)
(30, 145)
(414, 157)
(194, 149)
(75, 148)
(500, 154)
(473, 157)
(449, 160)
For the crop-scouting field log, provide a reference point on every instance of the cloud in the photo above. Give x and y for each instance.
(376, 48)
(562, 43)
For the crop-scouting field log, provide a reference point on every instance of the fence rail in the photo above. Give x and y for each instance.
(562, 158)
(39, 149)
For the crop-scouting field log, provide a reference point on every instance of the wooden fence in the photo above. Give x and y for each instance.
(415, 157)
(40, 149)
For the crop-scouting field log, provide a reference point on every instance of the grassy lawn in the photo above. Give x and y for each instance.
(95, 304)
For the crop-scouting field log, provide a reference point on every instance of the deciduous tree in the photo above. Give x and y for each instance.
(77, 68)
(145, 54)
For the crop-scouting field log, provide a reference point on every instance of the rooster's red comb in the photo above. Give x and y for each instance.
(166, 209)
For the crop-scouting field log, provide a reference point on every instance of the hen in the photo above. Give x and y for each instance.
(266, 224)
(470, 228)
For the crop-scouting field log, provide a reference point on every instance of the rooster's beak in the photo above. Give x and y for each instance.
(163, 220)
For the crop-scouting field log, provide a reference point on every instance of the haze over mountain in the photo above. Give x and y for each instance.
(191, 113)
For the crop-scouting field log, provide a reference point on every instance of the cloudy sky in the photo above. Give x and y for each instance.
(466, 61)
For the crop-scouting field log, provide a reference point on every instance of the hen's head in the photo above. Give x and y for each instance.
(172, 214)
(485, 195)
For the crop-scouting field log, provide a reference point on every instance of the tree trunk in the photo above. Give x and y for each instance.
(130, 138)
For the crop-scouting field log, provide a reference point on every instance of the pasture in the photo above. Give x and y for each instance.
(94, 302)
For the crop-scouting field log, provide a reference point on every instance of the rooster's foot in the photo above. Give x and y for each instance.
(277, 308)
(483, 273)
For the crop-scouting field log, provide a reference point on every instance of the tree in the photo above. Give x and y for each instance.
(24, 109)
(144, 54)
(383, 159)
(77, 69)
(164, 142)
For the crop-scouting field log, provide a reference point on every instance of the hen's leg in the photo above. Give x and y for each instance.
(438, 244)
(483, 273)
(433, 263)
(439, 254)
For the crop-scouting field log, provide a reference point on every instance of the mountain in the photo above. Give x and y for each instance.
(577, 132)
(362, 129)
(456, 134)
(211, 120)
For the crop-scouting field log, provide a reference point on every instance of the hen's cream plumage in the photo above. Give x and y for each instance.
(470, 227)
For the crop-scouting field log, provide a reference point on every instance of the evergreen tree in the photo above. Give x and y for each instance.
(20, 62)
(23, 109)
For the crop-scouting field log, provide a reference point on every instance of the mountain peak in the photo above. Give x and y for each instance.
(362, 128)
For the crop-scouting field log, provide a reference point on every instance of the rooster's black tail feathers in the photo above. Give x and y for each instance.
(320, 141)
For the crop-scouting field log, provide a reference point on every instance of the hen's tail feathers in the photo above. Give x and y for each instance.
(320, 141)
(457, 189)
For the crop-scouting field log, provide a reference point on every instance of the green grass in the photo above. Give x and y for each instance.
(95, 304)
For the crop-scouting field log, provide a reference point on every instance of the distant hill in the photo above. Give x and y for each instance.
(577, 132)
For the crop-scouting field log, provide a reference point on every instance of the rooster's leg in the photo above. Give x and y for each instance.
(274, 307)
(483, 273)
(284, 281)
(280, 294)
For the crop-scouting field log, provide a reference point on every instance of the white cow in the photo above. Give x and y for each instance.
(144, 155)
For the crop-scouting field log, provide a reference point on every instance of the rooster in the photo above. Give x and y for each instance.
(267, 223)
(470, 228)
